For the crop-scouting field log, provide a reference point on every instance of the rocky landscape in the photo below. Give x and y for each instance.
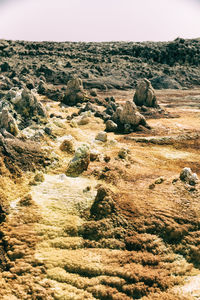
(99, 170)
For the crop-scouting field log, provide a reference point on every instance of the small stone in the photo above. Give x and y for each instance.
(159, 180)
(39, 177)
(87, 189)
(187, 176)
(123, 152)
(111, 126)
(193, 179)
(83, 121)
(73, 124)
(107, 158)
(68, 146)
(94, 155)
(93, 93)
(80, 162)
(152, 186)
(174, 180)
(101, 136)
(48, 130)
(26, 200)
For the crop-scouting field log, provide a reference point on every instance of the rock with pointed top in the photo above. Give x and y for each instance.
(80, 161)
(144, 94)
(74, 92)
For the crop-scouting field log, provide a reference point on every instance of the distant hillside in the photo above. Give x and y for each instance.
(101, 65)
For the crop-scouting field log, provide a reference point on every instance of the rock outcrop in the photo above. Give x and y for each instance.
(103, 205)
(128, 118)
(187, 176)
(80, 162)
(74, 92)
(27, 105)
(24, 106)
(8, 123)
(144, 94)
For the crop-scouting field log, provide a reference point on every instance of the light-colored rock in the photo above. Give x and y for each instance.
(193, 179)
(111, 126)
(84, 120)
(159, 180)
(101, 136)
(80, 161)
(26, 103)
(144, 94)
(128, 114)
(8, 123)
(187, 176)
(123, 152)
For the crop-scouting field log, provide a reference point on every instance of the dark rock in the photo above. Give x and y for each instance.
(74, 92)
(5, 67)
(165, 82)
(103, 205)
(88, 107)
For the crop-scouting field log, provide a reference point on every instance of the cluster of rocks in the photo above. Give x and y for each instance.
(128, 117)
(18, 109)
(188, 177)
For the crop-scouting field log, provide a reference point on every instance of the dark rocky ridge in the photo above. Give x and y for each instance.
(104, 65)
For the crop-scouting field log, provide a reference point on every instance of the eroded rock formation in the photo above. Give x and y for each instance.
(144, 94)
(74, 92)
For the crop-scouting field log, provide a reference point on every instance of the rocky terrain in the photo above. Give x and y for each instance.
(99, 171)
(100, 65)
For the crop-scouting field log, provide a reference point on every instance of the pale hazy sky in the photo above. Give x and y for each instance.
(99, 20)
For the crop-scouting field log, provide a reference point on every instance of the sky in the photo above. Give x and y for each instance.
(99, 20)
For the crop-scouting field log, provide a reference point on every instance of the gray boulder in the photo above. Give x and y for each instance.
(144, 94)
(164, 82)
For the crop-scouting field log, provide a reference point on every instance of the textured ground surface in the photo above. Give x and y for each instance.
(147, 247)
